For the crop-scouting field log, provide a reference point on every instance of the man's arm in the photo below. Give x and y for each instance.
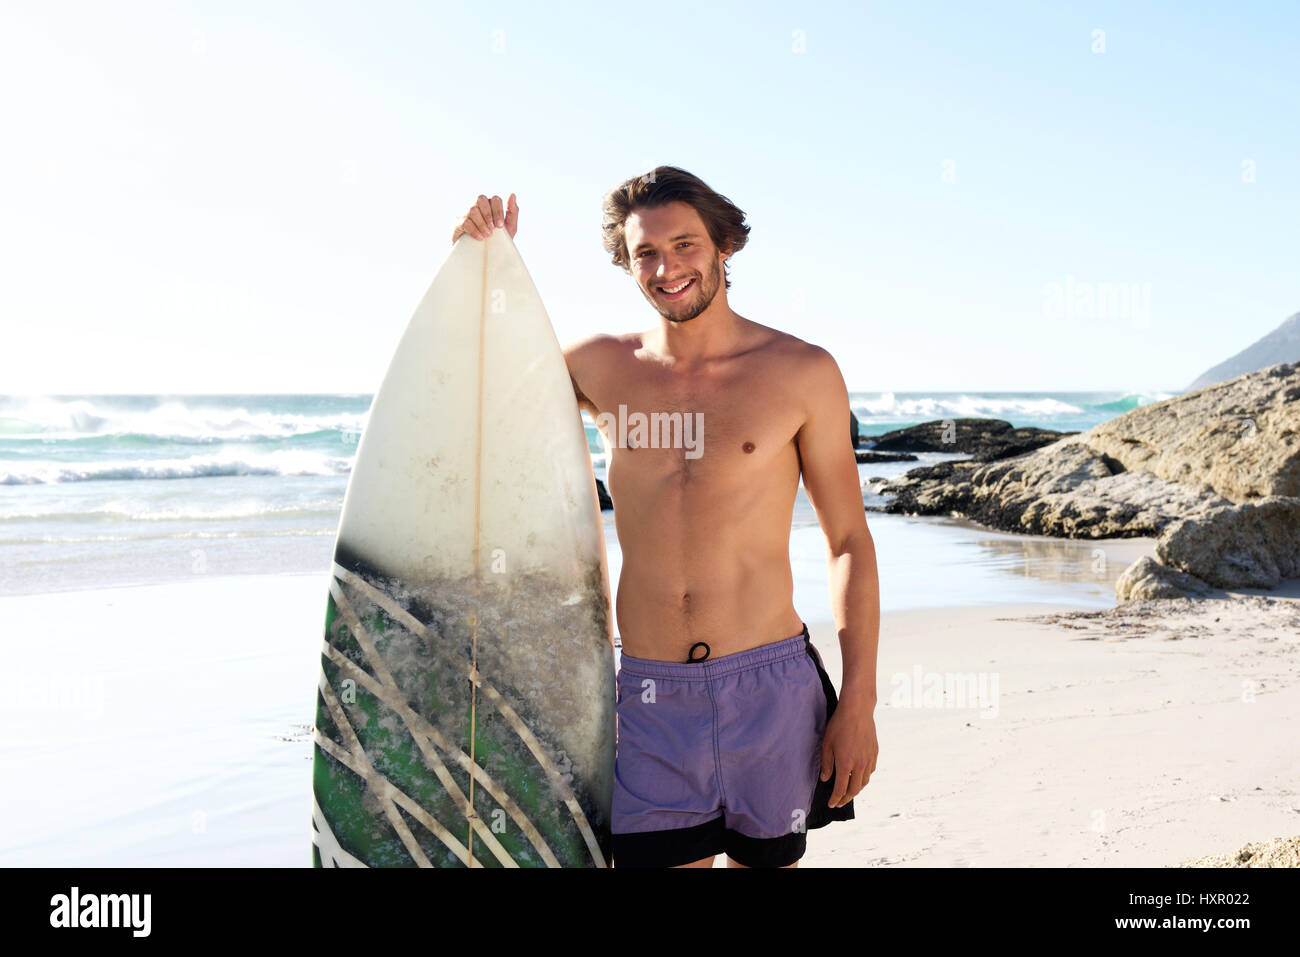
(830, 477)
(582, 358)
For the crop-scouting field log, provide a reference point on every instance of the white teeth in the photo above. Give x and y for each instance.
(676, 289)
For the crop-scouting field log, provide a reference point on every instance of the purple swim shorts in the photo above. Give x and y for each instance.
(722, 755)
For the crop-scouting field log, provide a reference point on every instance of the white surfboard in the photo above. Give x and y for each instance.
(465, 707)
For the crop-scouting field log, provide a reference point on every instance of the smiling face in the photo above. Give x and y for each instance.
(673, 260)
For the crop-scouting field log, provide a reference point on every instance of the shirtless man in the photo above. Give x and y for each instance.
(730, 737)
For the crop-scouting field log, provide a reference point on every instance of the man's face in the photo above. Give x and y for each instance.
(669, 246)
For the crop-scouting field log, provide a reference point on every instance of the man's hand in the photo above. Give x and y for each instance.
(849, 747)
(486, 215)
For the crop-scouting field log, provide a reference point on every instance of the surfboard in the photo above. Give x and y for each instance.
(465, 700)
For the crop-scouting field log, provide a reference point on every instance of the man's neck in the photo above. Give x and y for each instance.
(715, 332)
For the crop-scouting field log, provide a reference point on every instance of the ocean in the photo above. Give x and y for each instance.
(102, 491)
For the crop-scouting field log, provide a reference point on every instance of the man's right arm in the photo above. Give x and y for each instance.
(581, 357)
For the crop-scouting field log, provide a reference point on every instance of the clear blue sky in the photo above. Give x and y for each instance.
(238, 197)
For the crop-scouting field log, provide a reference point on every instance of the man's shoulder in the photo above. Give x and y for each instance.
(602, 343)
(797, 355)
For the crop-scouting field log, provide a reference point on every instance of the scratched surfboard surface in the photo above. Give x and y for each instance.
(465, 701)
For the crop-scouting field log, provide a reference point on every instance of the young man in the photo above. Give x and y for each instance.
(730, 736)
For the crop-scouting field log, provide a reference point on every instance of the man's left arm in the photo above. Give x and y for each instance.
(830, 477)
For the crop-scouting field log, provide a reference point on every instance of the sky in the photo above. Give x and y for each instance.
(252, 197)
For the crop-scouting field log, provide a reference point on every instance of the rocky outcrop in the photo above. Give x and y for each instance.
(1280, 345)
(1066, 490)
(1140, 473)
(985, 440)
(1255, 545)
(1241, 438)
(1147, 578)
(1279, 852)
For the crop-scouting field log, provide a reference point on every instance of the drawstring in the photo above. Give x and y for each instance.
(690, 655)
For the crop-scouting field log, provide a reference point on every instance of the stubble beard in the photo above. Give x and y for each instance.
(709, 286)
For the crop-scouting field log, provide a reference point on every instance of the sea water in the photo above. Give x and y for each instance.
(100, 491)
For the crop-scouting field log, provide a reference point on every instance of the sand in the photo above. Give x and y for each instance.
(1139, 736)
(169, 725)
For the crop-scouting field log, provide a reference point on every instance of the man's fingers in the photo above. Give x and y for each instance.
(828, 762)
(841, 787)
(477, 225)
(485, 211)
(512, 216)
(486, 215)
(857, 783)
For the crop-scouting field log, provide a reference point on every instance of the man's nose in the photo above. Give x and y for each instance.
(666, 266)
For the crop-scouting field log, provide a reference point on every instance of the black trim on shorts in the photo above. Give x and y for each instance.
(669, 848)
(766, 851)
(685, 845)
(822, 813)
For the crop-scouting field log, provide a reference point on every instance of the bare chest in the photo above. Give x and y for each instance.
(718, 426)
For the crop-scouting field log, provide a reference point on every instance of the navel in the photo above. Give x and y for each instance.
(748, 447)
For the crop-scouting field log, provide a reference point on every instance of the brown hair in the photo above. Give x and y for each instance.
(667, 184)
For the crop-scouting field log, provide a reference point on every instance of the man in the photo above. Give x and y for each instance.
(730, 735)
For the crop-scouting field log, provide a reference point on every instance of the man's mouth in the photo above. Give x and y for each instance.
(676, 291)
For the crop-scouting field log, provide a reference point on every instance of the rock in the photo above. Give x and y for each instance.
(1065, 489)
(1241, 438)
(1254, 545)
(864, 455)
(986, 439)
(1147, 578)
(1279, 852)
(1018, 442)
(1142, 472)
(1280, 345)
(606, 503)
(853, 430)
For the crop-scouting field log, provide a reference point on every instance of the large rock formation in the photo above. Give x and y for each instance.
(1138, 474)
(1280, 345)
(1066, 489)
(1241, 438)
(1254, 545)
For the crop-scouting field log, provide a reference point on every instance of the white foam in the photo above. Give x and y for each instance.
(280, 462)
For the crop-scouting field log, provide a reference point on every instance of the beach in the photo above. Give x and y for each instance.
(1137, 738)
(169, 725)
(165, 568)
